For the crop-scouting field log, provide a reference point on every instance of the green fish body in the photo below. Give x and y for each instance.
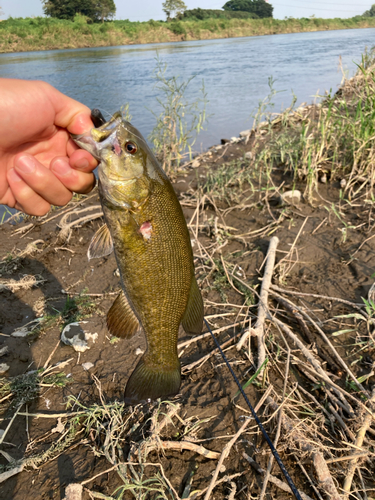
(148, 232)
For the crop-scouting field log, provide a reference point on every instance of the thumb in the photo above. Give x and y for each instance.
(69, 113)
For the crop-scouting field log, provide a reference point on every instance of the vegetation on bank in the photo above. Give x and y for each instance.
(332, 141)
(24, 34)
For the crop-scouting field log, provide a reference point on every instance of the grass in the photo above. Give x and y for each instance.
(25, 34)
(75, 309)
(179, 122)
(331, 141)
(25, 388)
(228, 181)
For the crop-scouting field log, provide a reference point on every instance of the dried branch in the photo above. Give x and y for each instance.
(263, 305)
(272, 479)
(223, 456)
(321, 468)
(358, 443)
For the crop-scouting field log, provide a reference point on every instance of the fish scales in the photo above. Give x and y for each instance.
(147, 229)
(151, 269)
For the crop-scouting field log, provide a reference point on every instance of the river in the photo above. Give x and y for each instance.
(235, 73)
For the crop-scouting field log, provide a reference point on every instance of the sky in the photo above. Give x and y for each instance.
(143, 10)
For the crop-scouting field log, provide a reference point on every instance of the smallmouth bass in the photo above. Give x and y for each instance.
(146, 228)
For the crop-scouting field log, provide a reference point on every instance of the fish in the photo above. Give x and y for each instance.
(146, 228)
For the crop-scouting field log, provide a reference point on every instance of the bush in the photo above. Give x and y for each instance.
(177, 28)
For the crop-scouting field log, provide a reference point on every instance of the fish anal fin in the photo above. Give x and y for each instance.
(121, 320)
(150, 381)
(192, 320)
(101, 243)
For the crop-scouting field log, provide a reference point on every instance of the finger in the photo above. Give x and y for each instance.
(74, 180)
(41, 180)
(83, 161)
(8, 198)
(70, 114)
(26, 199)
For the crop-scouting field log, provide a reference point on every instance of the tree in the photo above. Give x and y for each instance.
(371, 12)
(173, 8)
(105, 9)
(259, 7)
(67, 9)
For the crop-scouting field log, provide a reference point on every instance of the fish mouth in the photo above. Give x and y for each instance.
(87, 143)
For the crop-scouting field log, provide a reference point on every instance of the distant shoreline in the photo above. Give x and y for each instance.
(38, 34)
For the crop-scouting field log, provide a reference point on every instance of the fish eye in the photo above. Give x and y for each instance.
(131, 148)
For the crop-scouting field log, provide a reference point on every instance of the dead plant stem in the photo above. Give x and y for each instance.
(263, 306)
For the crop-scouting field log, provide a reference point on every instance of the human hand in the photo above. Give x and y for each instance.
(40, 165)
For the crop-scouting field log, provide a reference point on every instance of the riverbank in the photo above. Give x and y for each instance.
(29, 34)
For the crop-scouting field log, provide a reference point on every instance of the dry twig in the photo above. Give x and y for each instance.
(272, 479)
(263, 305)
(358, 443)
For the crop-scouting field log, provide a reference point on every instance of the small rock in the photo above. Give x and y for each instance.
(74, 335)
(117, 273)
(139, 351)
(245, 133)
(234, 139)
(87, 366)
(21, 332)
(195, 164)
(371, 294)
(343, 183)
(60, 427)
(73, 492)
(249, 155)
(3, 368)
(291, 197)
(4, 350)
(323, 178)
(225, 141)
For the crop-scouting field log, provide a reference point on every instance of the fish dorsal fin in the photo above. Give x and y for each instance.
(121, 320)
(192, 321)
(101, 243)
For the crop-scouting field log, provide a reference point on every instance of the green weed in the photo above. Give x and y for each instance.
(179, 122)
(334, 139)
(25, 388)
(227, 181)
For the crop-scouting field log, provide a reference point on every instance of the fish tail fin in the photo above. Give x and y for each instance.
(150, 381)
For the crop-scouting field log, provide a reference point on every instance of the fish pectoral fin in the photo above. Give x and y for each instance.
(150, 381)
(121, 320)
(192, 320)
(101, 244)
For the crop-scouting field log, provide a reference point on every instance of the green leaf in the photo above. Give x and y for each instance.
(341, 332)
(364, 377)
(353, 315)
(252, 378)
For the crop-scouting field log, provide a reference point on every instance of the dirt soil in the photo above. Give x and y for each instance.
(326, 248)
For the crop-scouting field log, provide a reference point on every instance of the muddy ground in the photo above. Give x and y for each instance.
(326, 247)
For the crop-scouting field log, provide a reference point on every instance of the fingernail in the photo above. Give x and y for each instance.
(25, 164)
(61, 167)
(82, 164)
(13, 176)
